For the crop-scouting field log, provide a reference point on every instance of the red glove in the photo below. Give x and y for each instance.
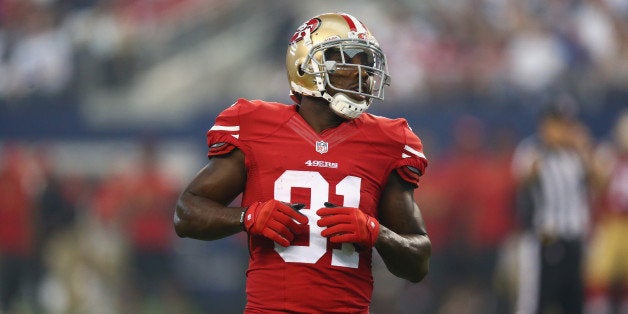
(348, 224)
(274, 220)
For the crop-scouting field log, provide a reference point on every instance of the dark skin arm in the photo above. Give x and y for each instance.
(202, 210)
(403, 242)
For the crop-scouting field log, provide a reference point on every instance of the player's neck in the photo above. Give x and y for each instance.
(316, 112)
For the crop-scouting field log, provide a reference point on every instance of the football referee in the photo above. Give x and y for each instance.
(555, 175)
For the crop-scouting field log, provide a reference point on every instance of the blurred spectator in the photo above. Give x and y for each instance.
(39, 65)
(54, 217)
(475, 214)
(101, 42)
(56, 213)
(405, 57)
(137, 204)
(555, 171)
(148, 219)
(16, 231)
(535, 57)
(596, 31)
(607, 271)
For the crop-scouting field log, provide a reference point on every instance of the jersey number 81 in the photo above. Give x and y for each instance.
(349, 187)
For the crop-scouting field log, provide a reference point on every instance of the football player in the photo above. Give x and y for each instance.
(323, 182)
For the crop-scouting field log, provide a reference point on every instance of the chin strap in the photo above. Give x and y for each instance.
(345, 106)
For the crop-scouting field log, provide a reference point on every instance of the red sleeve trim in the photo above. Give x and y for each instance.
(411, 169)
(221, 143)
(220, 149)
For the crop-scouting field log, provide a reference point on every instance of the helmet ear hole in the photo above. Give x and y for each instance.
(300, 70)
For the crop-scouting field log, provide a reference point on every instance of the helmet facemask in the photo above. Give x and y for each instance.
(372, 74)
(329, 58)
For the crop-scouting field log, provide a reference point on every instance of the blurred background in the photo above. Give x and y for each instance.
(104, 105)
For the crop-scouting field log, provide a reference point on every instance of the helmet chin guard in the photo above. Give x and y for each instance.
(347, 107)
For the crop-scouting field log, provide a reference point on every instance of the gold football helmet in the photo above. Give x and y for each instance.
(310, 65)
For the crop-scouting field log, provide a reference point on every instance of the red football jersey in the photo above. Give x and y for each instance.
(288, 161)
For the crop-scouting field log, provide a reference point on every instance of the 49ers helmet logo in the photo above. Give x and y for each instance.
(305, 28)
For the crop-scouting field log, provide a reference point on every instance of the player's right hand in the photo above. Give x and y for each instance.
(274, 220)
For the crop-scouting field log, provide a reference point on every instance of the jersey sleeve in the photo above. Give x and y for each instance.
(412, 163)
(223, 136)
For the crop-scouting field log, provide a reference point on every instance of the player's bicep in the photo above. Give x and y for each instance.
(397, 209)
(222, 179)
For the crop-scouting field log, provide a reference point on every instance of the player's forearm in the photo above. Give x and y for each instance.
(406, 256)
(201, 218)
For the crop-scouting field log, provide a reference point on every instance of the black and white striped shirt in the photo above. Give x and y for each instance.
(559, 195)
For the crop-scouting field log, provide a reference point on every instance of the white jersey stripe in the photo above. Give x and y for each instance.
(415, 152)
(225, 128)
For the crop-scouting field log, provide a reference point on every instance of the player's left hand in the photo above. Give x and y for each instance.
(348, 224)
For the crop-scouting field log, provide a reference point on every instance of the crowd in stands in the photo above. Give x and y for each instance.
(483, 47)
(85, 243)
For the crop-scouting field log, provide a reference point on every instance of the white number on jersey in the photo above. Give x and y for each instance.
(349, 187)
